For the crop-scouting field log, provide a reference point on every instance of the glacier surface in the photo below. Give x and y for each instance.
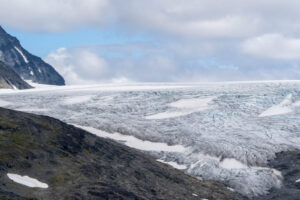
(225, 132)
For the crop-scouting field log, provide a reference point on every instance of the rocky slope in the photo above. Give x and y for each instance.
(289, 164)
(10, 79)
(28, 66)
(78, 165)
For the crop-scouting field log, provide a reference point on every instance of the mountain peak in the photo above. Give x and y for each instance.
(26, 65)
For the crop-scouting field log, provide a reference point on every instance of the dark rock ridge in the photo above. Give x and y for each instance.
(10, 79)
(78, 165)
(28, 66)
(289, 164)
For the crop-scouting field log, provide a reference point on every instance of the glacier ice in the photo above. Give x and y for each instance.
(226, 138)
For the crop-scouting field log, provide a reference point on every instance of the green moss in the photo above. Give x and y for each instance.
(7, 124)
(60, 179)
(14, 145)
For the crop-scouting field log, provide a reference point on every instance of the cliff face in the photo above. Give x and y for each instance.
(26, 65)
(78, 165)
(10, 79)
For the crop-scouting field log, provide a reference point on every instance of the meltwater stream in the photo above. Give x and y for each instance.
(219, 131)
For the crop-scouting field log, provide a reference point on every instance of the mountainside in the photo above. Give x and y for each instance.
(10, 79)
(78, 165)
(28, 66)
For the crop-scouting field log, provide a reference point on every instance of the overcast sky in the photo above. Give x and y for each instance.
(91, 41)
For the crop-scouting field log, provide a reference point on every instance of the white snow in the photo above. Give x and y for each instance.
(32, 73)
(227, 164)
(111, 87)
(14, 87)
(298, 181)
(27, 181)
(21, 53)
(296, 104)
(231, 189)
(285, 107)
(33, 109)
(39, 70)
(78, 99)
(184, 107)
(195, 195)
(4, 103)
(38, 86)
(134, 142)
(166, 115)
(173, 164)
(230, 163)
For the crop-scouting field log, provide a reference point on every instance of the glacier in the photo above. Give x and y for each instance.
(227, 131)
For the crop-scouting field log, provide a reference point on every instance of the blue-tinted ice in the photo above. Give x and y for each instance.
(229, 130)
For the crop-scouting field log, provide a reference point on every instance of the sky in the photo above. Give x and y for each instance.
(94, 41)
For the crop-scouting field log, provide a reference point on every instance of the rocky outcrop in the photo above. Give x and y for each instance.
(10, 79)
(288, 163)
(28, 66)
(78, 165)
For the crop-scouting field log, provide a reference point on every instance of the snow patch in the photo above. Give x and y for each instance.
(173, 164)
(14, 87)
(195, 195)
(4, 103)
(33, 110)
(31, 73)
(184, 107)
(296, 104)
(134, 142)
(230, 163)
(21, 53)
(298, 181)
(37, 85)
(78, 99)
(27, 181)
(285, 107)
(231, 189)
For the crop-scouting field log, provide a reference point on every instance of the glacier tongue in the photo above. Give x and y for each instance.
(229, 131)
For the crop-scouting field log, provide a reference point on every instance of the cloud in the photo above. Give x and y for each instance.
(273, 46)
(78, 66)
(194, 40)
(195, 19)
(53, 15)
(113, 63)
(151, 63)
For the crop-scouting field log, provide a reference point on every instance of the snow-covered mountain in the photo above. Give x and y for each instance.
(10, 79)
(28, 66)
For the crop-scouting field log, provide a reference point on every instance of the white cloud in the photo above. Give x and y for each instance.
(192, 19)
(78, 66)
(84, 65)
(187, 35)
(274, 46)
(204, 18)
(53, 15)
(196, 19)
